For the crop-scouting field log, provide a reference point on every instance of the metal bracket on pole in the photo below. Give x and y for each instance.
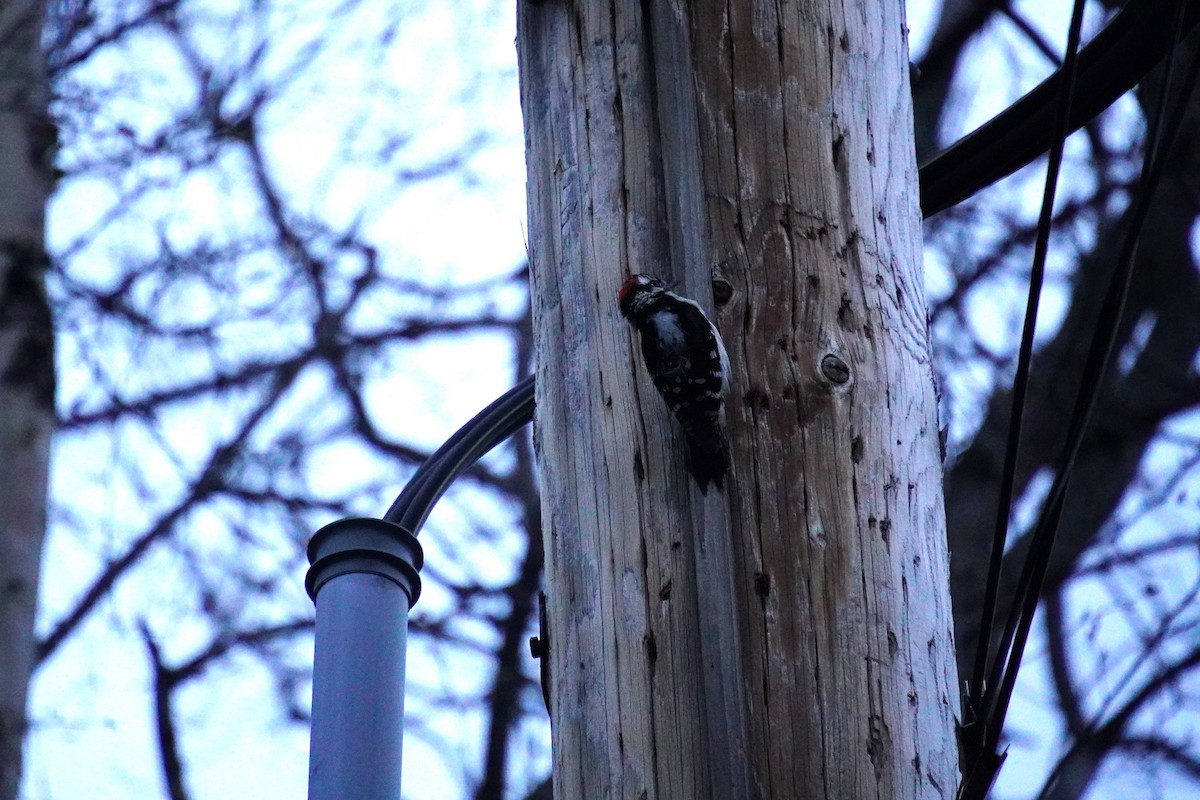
(539, 648)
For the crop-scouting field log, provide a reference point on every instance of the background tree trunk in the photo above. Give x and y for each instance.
(26, 363)
(792, 636)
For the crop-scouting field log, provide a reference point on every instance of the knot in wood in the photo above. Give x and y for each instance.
(835, 369)
(722, 291)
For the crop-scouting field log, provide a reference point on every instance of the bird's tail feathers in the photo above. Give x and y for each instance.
(708, 458)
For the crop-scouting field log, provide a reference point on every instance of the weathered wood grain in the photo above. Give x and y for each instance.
(791, 637)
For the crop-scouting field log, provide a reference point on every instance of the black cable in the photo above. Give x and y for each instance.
(1121, 54)
(991, 710)
(1159, 141)
(491, 426)
(1024, 359)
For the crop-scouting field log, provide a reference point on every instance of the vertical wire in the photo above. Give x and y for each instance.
(1096, 364)
(1025, 353)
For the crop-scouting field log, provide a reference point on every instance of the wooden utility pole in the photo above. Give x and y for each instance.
(790, 637)
(26, 362)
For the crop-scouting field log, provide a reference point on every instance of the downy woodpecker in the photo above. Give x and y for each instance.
(686, 360)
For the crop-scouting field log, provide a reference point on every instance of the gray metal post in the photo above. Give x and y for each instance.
(363, 579)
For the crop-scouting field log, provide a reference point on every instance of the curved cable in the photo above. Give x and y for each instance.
(491, 426)
(1132, 43)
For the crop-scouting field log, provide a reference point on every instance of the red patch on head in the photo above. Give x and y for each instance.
(630, 283)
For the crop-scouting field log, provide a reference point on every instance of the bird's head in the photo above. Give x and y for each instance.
(637, 288)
